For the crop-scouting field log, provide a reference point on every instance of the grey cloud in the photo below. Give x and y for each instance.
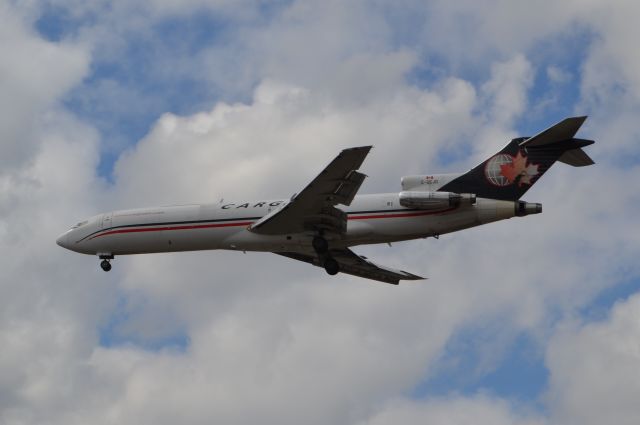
(454, 410)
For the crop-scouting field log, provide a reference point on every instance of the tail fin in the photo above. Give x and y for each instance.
(508, 174)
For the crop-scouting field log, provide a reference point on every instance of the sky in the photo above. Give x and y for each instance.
(118, 104)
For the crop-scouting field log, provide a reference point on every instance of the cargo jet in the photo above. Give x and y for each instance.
(319, 224)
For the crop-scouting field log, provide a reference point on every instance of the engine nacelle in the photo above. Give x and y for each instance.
(434, 200)
(526, 208)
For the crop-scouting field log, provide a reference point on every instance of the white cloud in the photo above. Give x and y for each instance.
(466, 32)
(609, 60)
(508, 88)
(235, 310)
(35, 74)
(50, 304)
(290, 129)
(277, 341)
(595, 369)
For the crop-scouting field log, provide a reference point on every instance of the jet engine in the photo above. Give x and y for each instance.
(435, 200)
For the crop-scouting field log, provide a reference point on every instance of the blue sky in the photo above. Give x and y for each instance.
(133, 73)
(153, 70)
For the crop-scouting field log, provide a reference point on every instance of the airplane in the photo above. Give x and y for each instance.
(324, 220)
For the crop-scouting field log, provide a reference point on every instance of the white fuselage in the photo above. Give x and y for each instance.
(377, 218)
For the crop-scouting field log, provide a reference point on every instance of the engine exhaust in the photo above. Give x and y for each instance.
(526, 208)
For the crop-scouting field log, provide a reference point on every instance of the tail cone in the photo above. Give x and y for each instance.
(526, 208)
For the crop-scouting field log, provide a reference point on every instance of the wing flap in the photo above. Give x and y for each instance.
(337, 184)
(348, 187)
(356, 265)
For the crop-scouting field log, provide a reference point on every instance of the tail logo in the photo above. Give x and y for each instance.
(504, 170)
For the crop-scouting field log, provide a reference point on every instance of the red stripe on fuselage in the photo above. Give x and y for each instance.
(414, 214)
(247, 223)
(158, 229)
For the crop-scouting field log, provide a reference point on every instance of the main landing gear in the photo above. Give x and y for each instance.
(105, 263)
(331, 266)
(321, 247)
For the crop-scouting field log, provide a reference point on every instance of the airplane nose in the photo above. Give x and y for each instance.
(62, 240)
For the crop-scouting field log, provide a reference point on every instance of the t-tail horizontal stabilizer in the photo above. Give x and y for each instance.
(564, 131)
(576, 157)
(508, 174)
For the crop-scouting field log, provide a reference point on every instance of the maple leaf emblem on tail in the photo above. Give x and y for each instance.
(519, 170)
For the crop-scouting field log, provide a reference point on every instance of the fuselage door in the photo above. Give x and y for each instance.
(106, 220)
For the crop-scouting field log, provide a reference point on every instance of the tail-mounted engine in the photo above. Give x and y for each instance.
(525, 208)
(435, 200)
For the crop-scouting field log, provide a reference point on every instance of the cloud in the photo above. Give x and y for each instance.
(455, 410)
(35, 74)
(254, 312)
(227, 318)
(49, 311)
(269, 339)
(594, 368)
(291, 127)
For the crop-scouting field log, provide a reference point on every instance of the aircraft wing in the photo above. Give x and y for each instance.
(354, 264)
(313, 208)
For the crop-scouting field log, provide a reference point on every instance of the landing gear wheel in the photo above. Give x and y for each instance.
(320, 244)
(106, 265)
(331, 266)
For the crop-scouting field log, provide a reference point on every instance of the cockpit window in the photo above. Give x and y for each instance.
(82, 223)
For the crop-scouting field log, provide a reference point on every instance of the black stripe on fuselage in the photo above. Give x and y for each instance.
(168, 223)
(222, 220)
(383, 211)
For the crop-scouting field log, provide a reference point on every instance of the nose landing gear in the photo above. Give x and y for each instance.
(105, 264)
